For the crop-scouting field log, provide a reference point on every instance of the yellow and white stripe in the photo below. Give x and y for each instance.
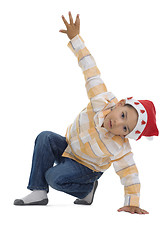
(88, 142)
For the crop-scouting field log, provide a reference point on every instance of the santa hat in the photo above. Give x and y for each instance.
(146, 124)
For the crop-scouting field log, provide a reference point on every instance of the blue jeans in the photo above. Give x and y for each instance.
(49, 168)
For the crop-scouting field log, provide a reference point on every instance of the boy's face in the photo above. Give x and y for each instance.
(121, 120)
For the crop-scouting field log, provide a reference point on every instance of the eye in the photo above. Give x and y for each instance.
(125, 129)
(122, 115)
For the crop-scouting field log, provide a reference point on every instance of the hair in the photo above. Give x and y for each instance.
(128, 105)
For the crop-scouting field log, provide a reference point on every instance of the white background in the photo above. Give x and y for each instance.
(42, 88)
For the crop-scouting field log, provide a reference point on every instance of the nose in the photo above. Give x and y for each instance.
(118, 123)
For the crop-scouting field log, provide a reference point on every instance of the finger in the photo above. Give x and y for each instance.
(120, 209)
(63, 31)
(77, 22)
(70, 18)
(139, 211)
(130, 211)
(123, 209)
(65, 21)
(144, 211)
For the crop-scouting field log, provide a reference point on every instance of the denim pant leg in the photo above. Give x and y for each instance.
(48, 149)
(72, 178)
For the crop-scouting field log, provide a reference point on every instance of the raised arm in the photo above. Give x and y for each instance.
(94, 84)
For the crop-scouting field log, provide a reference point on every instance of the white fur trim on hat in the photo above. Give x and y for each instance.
(150, 138)
(142, 118)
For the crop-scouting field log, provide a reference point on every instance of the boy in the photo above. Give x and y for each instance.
(97, 138)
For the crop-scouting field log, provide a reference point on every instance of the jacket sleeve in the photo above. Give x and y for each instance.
(94, 84)
(127, 171)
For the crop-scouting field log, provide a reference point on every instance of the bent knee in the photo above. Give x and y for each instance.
(43, 135)
(54, 180)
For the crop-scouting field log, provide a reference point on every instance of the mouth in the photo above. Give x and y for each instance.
(110, 124)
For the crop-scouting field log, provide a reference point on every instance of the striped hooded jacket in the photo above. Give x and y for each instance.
(91, 144)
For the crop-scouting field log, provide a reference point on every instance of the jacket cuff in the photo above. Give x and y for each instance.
(76, 43)
(131, 200)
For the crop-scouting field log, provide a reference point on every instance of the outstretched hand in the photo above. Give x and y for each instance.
(132, 209)
(72, 28)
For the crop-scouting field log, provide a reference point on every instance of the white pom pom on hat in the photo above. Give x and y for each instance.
(146, 124)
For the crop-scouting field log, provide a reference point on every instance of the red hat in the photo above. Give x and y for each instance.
(146, 124)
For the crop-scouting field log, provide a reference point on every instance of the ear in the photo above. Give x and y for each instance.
(121, 103)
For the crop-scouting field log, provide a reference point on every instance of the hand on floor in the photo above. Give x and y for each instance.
(133, 209)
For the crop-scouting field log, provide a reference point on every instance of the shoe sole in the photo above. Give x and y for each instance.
(83, 202)
(20, 202)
